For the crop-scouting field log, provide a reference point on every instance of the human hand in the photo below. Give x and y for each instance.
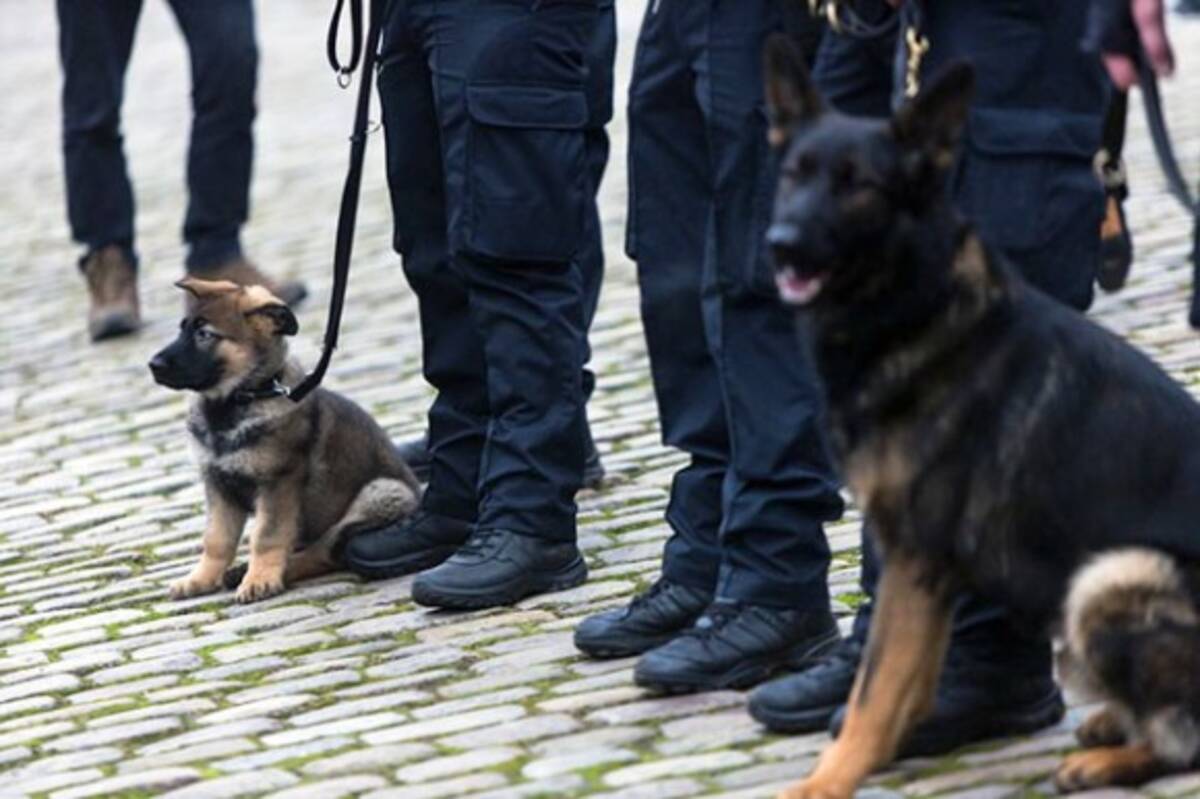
(1151, 29)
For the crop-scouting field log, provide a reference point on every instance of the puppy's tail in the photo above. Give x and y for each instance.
(1126, 589)
(1132, 633)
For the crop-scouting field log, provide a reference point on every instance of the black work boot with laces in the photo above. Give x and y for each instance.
(806, 701)
(736, 645)
(980, 695)
(410, 545)
(651, 619)
(977, 700)
(499, 567)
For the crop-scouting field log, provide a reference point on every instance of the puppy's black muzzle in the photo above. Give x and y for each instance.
(182, 366)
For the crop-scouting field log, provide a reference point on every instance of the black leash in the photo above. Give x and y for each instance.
(348, 214)
(1176, 184)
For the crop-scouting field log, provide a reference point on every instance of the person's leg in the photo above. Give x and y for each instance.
(666, 220)
(95, 40)
(781, 486)
(600, 56)
(772, 602)
(224, 58)
(452, 354)
(224, 62)
(512, 109)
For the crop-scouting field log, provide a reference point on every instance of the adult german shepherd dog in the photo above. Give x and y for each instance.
(311, 472)
(996, 440)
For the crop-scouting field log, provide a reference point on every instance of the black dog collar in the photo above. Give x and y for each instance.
(273, 389)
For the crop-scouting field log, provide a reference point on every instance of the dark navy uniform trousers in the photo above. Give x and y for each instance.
(1024, 179)
(494, 149)
(95, 40)
(733, 387)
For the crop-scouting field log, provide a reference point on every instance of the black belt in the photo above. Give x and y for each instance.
(348, 214)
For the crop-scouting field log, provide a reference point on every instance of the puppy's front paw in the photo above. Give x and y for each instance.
(259, 584)
(192, 585)
(1098, 768)
(812, 789)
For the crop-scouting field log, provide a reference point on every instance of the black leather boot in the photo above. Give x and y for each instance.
(735, 645)
(650, 620)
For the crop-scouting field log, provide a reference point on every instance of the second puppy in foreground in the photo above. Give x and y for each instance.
(310, 472)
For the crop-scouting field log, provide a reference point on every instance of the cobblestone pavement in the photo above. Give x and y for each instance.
(341, 688)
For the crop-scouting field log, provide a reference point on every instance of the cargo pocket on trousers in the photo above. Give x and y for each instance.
(526, 183)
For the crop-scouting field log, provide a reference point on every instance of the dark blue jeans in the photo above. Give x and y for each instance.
(1024, 179)
(493, 153)
(734, 389)
(95, 40)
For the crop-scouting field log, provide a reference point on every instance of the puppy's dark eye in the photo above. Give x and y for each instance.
(204, 335)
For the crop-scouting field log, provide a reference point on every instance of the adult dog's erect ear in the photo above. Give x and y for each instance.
(791, 97)
(931, 124)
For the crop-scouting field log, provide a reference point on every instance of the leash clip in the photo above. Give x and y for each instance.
(917, 45)
(344, 78)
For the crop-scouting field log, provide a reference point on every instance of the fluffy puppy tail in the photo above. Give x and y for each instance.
(1132, 633)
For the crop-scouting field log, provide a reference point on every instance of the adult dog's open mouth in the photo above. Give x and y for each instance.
(795, 288)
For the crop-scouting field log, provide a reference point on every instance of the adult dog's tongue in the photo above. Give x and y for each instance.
(795, 289)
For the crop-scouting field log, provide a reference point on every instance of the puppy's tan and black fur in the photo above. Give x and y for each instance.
(309, 472)
(995, 439)
(1131, 640)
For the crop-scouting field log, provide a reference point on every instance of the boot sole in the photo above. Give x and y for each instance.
(744, 675)
(570, 576)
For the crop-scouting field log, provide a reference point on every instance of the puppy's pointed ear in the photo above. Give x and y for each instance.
(791, 97)
(280, 316)
(931, 124)
(260, 306)
(204, 289)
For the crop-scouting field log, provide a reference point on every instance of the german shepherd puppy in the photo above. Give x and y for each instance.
(310, 472)
(1131, 640)
(994, 438)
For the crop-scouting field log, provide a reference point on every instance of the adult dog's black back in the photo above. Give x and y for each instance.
(1027, 435)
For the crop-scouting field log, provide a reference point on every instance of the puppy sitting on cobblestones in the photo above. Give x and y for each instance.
(310, 472)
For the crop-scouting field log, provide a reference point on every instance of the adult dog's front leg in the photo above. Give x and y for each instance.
(221, 536)
(276, 530)
(896, 681)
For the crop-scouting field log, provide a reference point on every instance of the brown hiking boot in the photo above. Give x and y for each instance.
(112, 285)
(244, 273)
